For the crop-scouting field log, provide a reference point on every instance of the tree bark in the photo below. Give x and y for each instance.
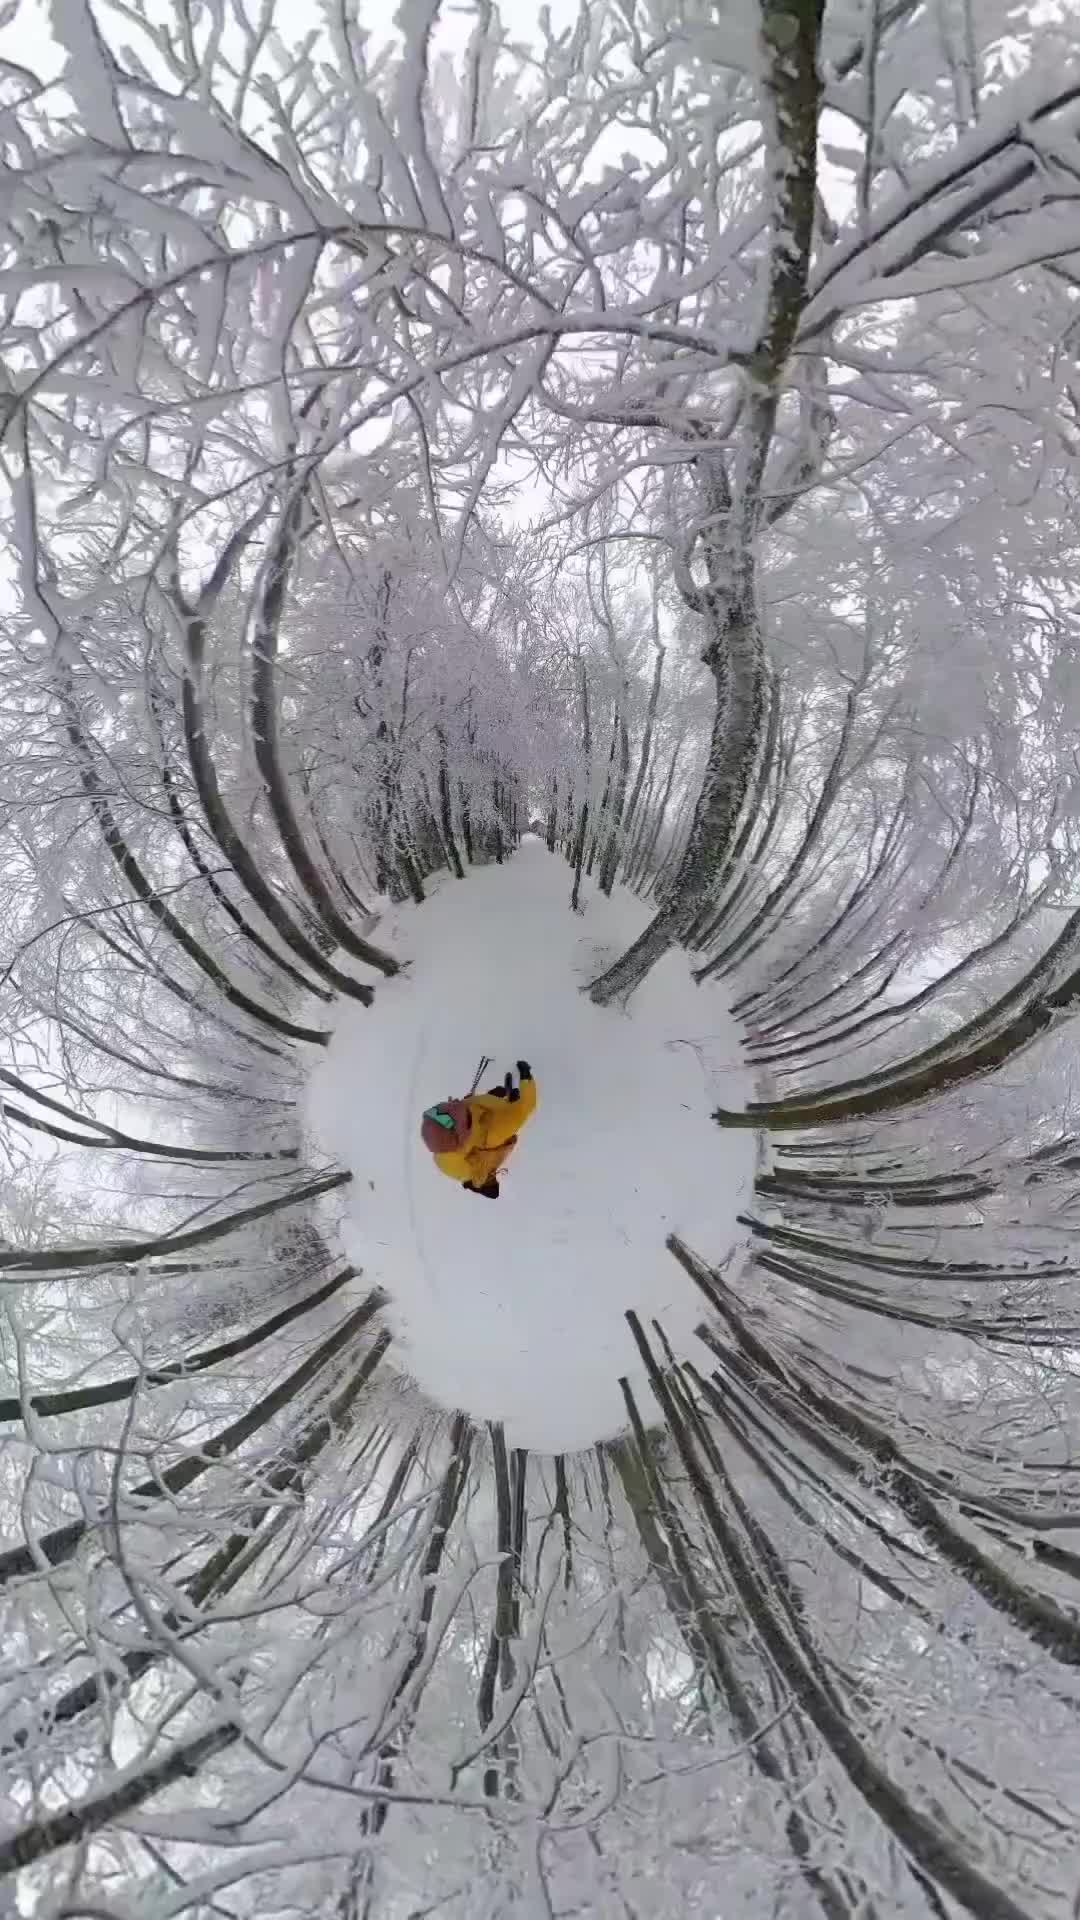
(446, 811)
(144, 890)
(60, 1543)
(814, 829)
(736, 660)
(610, 863)
(791, 87)
(583, 815)
(645, 756)
(264, 726)
(553, 815)
(466, 822)
(605, 800)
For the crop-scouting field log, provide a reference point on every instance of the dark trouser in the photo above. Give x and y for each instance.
(489, 1190)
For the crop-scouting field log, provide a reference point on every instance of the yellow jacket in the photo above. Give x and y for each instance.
(493, 1134)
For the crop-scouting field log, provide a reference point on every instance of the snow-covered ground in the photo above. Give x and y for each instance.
(513, 1310)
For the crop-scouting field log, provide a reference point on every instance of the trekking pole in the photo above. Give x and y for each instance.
(485, 1061)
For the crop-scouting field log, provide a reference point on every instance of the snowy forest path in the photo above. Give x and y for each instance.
(515, 1311)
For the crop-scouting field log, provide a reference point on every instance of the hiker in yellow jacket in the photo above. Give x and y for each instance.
(472, 1138)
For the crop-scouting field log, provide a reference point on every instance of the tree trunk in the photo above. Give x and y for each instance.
(405, 855)
(725, 896)
(466, 822)
(733, 510)
(568, 829)
(446, 811)
(659, 818)
(610, 862)
(632, 852)
(815, 827)
(646, 740)
(264, 728)
(605, 802)
(579, 855)
(497, 832)
(433, 848)
(147, 893)
(583, 816)
(736, 660)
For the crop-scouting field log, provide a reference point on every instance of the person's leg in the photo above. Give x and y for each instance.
(489, 1190)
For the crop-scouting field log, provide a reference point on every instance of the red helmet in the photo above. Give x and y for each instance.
(445, 1128)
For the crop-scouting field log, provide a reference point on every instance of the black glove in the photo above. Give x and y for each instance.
(524, 1070)
(489, 1191)
(497, 1093)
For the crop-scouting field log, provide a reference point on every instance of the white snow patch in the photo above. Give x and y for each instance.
(513, 1309)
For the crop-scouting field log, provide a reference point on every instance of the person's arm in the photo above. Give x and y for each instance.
(525, 1107)
(496, 1120)
(503, 1122)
